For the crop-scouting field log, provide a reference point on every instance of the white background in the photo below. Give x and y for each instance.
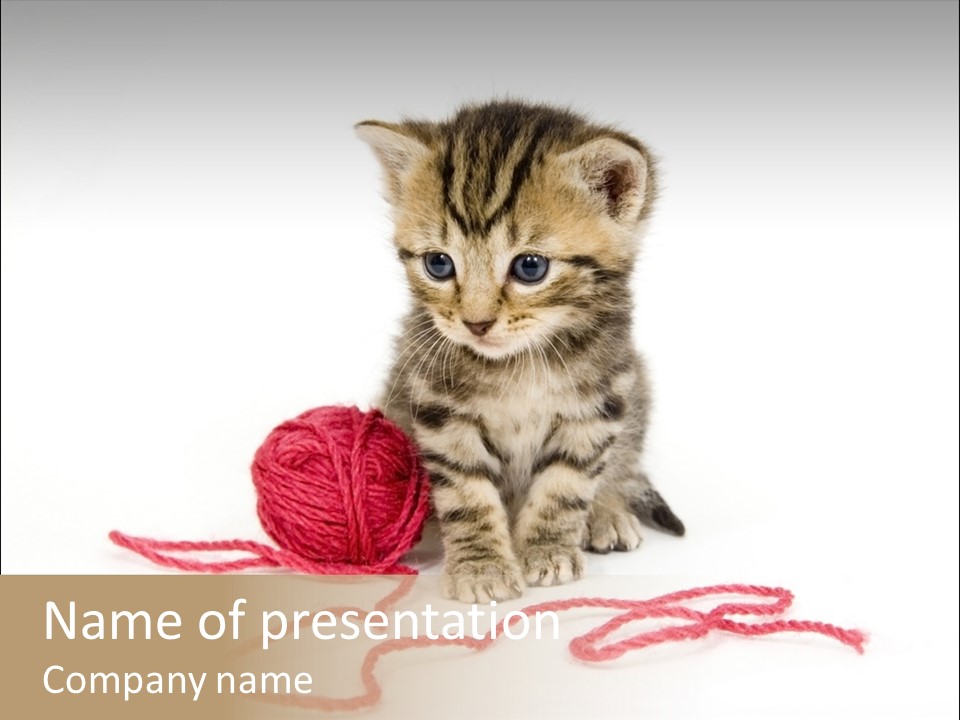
(194, 249)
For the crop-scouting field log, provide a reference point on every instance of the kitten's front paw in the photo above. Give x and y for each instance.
(551, 564)
(611, 529)
(481, 582)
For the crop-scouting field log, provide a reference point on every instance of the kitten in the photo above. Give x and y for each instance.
(516, 371)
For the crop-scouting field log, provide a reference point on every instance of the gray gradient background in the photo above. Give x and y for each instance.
(194, 249)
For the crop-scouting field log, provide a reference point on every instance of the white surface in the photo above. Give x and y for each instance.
(194, 249)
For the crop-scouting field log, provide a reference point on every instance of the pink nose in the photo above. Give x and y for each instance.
(479, 328)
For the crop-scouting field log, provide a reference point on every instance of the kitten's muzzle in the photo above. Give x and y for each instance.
(479, 328)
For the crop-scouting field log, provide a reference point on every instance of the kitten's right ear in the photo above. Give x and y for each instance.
(396, 149)
(615, 174)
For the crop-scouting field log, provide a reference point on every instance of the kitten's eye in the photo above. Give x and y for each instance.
(530, 268)
(439, 266)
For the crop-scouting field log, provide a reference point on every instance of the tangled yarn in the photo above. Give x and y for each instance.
(766, 605)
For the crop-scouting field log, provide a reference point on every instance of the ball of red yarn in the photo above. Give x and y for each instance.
(342, 487)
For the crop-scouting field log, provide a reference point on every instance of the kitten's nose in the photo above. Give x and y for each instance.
(479, 328)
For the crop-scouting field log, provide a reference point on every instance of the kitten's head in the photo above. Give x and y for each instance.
(517, 223)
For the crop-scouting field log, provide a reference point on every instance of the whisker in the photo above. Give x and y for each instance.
(416, 374)
(415, 344)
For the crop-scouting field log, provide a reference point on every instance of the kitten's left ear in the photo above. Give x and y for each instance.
(615, 175)
(397, 150)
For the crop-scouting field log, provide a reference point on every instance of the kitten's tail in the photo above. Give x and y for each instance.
(652, 509)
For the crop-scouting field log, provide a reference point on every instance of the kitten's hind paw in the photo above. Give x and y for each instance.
(480, 582)
(551, 564)
(611, 529)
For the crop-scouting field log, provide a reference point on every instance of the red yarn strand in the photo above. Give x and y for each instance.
(157, 551)
(590, 646)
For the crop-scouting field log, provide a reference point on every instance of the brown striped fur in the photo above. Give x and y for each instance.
(532, 431)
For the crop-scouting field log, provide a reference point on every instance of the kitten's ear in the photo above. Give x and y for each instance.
(396, 149)
(615, 175)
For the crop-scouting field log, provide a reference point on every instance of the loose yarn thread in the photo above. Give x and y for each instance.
(591, 647)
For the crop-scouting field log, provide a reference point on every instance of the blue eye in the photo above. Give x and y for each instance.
(439, 266)
(530, 268)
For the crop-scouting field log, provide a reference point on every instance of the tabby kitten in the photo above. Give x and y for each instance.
(516, 372)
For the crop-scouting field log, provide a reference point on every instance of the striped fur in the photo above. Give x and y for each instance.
(533, 431)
